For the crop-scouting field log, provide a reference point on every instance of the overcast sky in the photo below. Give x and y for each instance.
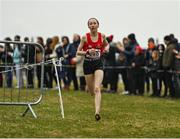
(145, 18)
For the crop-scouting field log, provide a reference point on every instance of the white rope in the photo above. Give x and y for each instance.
(58, 63)
(29, 66)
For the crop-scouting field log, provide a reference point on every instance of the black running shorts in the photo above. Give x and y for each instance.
(90, 66)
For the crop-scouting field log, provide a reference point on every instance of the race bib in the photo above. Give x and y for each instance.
(96, 55)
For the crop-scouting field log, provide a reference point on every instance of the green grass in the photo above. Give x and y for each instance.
(122, 116)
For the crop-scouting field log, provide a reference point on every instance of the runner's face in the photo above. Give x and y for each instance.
(93, 25)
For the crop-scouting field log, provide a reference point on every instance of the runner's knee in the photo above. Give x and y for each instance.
(97, 90)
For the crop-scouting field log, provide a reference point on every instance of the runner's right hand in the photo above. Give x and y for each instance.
(92, 51)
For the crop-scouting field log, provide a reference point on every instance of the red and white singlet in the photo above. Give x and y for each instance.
(98, 45)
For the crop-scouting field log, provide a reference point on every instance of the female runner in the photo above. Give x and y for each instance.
(92, 46)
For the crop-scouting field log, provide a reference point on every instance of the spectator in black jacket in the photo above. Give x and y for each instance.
(7, 59)
(39, 58)
(168, 60)
(1, 68)
(110, 73)
(148, 60)
(154, 67)
(65, 51)
(121, 62)
(130, 53)
(29, 58)
(161, 72)
(176, 68)
(74, 45)
(137, 72)
(48, 68)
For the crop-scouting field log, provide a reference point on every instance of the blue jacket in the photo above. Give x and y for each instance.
(17, 56)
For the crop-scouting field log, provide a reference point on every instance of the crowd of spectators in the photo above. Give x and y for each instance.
(156, 67)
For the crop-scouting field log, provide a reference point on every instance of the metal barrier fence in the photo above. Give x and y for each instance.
(19, 62)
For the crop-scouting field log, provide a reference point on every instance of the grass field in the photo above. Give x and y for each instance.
(122, 116)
